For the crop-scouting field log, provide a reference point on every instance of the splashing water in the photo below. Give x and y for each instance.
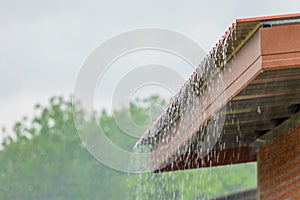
(200, 183)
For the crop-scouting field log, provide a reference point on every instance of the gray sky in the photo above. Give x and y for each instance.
(44, 43)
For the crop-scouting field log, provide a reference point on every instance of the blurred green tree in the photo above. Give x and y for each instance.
(47, 160)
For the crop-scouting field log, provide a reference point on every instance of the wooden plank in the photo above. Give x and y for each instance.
(252, 117)
(271, 87)
(272, 79)
(257, 126)
(288, 99)
(214, 158)
(279, 73)
(279, 130)
(230, 110)
(266, 95)
(280, 39)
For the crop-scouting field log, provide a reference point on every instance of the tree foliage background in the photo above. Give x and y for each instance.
(47, 160)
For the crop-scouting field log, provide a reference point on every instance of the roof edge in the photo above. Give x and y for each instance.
(263, 18)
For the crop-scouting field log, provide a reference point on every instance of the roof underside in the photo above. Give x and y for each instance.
(257, 99)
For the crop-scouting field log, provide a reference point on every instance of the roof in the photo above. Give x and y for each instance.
(267, 18)
(255, 64)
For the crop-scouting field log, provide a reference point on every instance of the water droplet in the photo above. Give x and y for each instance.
(258, 110)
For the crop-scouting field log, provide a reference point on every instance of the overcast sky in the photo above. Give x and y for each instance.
(44, 43)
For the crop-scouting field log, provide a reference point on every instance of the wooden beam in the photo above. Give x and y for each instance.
(277, 131)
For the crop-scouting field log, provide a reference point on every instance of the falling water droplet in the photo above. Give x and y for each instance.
(258, 110)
